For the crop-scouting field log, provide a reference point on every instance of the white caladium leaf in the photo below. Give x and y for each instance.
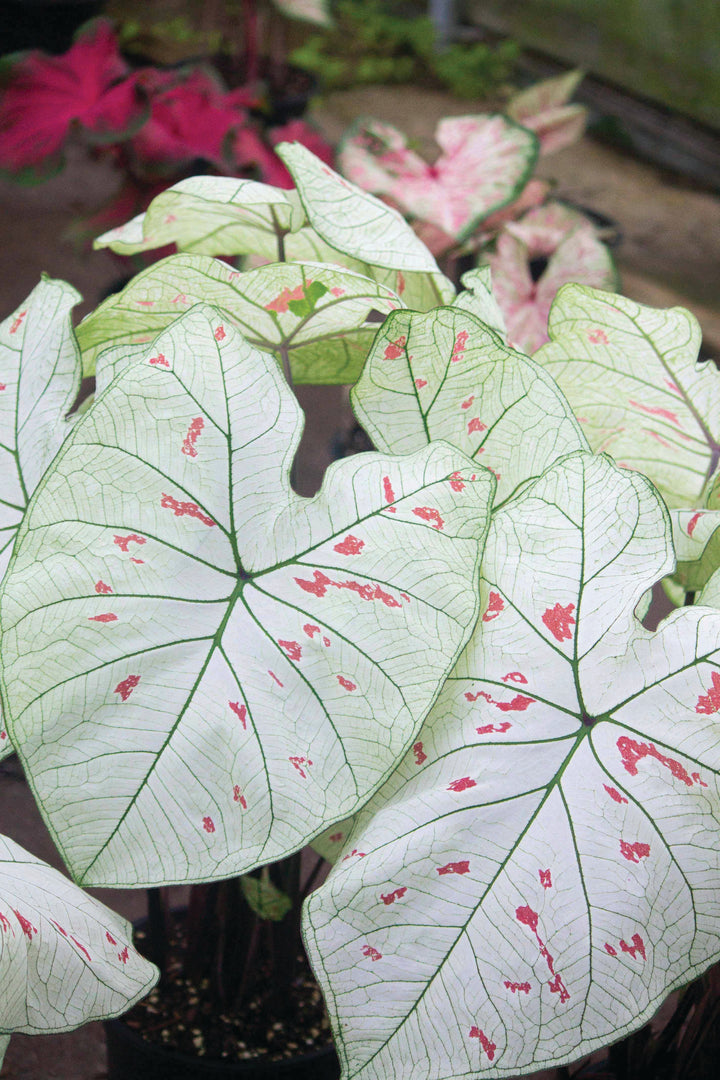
(543, 867)
(485, 162)
(631, 376)
(568, 244)
(212, 215)
(444, 375)
(65, 958)
(39, 380)
(350, 219)
(478, 298)
(696, 540)
(239, 666)
(544, 109)
(319, 319)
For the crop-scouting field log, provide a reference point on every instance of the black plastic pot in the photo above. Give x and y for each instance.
(130, 1057)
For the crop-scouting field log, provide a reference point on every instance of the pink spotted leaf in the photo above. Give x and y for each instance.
(544, 108)
(541, 845)
(241, 667)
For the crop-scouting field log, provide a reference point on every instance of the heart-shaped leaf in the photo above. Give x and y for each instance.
(320, 319)
(631, 377)
(65, 958)
(543, 867)
(569, 250)
(223, 650)
(211, 215)
(39, 381)
(544, 108)
(485, 163)
(264, 898)
(444, 375)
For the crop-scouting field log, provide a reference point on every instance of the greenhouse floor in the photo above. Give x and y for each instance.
(669, 254)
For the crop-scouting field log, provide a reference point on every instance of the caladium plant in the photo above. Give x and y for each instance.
(434, 670)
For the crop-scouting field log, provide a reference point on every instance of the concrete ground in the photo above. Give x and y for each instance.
(669, 255)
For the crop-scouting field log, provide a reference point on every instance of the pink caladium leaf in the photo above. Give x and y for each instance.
(567, 244)
(542, 869)
(44, 95)
(545, 110)
(190, 117)
(485, 162)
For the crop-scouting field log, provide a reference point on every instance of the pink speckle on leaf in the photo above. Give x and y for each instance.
(495, 606)
(462, 784)
(356, 853)
(427, 513)
(281, 303)
(692, 523)
(240, 711)
(367, 591)
(636, 949)
(396, 894)
(310, 629)
(673, 386)
(516, 987)
(558, 987)
(292, 648)
(25, 925)
(101, 587)
(632, 751)
(545, 879)
(527, 917)
(388, 490)
(124, 955)
(82, 948)
(298, 762)
(238, 796)
(123, 542)
(17, 322)
(598, 337)
(274, 677)
(326, 642)
(634, 852)
(656, 410)
(468, 402)
(461, 867)
(559, 621)
(476, 424)
(346, 683)
(336, 837)
(145, 303)
(459, 346)
(371, 953)
(696, 778)
(5, 925)
(126, 687)
(394, 350)
(514, 676)
(610, 949)
(709, 703)
(188, 446)
(181, 298)
(140, 562)
(159, 361)
(488, 1047)
(208, 825)
(184, 509)
(518, 704)
(110, 938)
(420, 384)
(419, 753)
(456, 482)
(220, 334)
(3, 735)
(615, 794)
(351, 545)
(497, 729)
(107, 616)
(337, 291)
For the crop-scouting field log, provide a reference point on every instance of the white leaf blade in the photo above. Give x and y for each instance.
(66, 959)
(350, 219)
(210, 601)
(522, 890)
(445, 375)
